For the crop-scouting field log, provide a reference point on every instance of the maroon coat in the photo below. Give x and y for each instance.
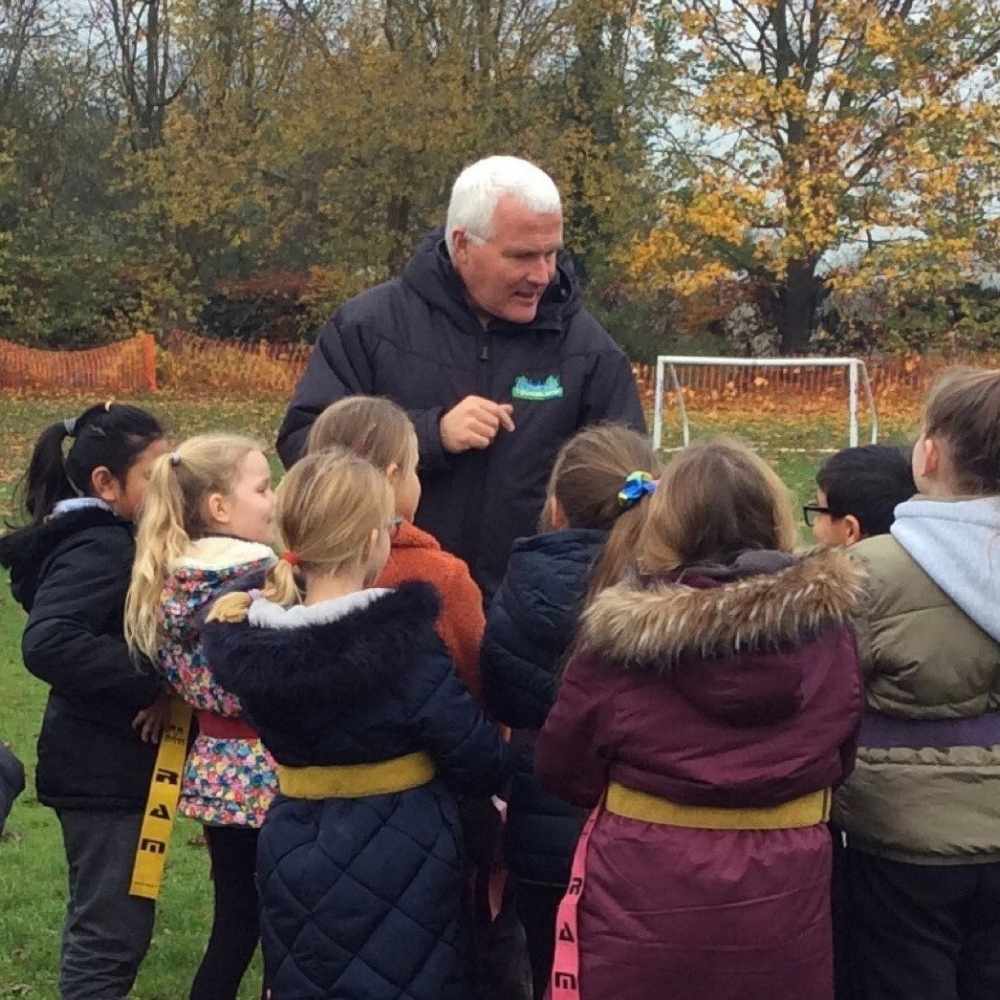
(732, 688)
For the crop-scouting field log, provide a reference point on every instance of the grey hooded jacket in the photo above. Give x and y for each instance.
(926, 788)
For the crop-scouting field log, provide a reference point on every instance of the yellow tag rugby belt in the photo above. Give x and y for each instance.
(805, 811)
(355, 781)
(161, 804)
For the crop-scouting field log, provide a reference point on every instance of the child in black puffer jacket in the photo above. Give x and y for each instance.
(590, 521)
(69, 568)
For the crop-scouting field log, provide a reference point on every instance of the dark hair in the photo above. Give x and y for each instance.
(109, 434)
(588, 474)
(867, 482)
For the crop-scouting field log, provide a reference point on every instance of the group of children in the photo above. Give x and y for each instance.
(693, 731)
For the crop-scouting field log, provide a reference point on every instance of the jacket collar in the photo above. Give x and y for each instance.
(342, 659)
(409, 536)
(217, 552)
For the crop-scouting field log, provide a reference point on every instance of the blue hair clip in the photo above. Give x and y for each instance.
(637, 485)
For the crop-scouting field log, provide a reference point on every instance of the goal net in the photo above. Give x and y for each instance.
(808, 406)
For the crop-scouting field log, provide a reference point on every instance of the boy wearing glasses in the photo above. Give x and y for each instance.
(857, 491)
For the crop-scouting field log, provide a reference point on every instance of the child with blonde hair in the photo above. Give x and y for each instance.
(360, 863)
(208, 520)
(710, 705)
(379, 430)
(594, 509)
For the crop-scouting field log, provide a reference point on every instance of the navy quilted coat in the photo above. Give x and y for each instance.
(531, 623)
(360, 898)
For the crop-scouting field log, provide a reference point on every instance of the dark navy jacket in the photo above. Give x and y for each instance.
(531, 623)
(360, 898)
(71, 574)
(417, 341)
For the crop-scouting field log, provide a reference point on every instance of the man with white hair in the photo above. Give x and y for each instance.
(485, 342)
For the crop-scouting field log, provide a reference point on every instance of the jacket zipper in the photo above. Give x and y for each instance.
(472, 527)
(484, 365)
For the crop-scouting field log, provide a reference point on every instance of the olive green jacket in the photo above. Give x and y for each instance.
(923, 658)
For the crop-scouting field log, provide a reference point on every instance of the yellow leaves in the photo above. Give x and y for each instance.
(880, 38)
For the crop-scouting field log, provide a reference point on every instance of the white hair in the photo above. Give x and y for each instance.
(480, 187)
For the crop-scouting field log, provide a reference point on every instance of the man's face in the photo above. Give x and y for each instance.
(506, 275)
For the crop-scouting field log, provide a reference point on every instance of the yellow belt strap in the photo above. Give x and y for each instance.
(161, 804)
(805, 811)
(355, 781)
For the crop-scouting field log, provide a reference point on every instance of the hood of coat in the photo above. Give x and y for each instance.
(218, 554)
(25, 551)
(316, 660)
(431, 274)
(546, 580)
(957, 544)
(734, 647)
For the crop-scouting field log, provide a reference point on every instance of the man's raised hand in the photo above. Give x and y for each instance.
(474, 423)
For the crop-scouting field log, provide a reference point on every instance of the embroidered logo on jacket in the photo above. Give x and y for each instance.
(537, 391)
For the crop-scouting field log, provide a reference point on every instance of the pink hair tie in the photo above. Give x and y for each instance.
(291, 558)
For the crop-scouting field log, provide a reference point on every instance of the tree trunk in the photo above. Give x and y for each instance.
(797, 304)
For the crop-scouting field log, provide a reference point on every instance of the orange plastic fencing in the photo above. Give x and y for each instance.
(128, 366)
(185, 362)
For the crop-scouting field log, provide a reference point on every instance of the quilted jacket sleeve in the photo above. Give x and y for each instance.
(573, 750)
(342, 364)
(338, 367)
(611, 393)
(518, 689)
(72, 640)
(470, 752)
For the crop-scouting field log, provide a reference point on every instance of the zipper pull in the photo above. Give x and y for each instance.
(484, 353)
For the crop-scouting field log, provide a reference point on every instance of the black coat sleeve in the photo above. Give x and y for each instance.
(342, 364)
(518, 678)
(611, 393)
(469, 750)
(338, 367)
(73, 640)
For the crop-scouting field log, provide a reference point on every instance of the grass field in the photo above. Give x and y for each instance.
(32, 868)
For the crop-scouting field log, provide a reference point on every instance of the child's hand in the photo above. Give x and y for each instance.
(150, 721)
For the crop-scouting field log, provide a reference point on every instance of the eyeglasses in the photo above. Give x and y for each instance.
(810, 510)
(394, 526)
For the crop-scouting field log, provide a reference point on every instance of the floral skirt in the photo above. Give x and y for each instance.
(228, 782)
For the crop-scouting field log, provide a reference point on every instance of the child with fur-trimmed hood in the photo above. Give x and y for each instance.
(353, 692)
(710, 707)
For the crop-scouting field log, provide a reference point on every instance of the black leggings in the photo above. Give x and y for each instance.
(235, 923)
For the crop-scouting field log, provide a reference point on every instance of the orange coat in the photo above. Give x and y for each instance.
(416, 555)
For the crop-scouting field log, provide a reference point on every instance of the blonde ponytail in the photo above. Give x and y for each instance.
(280, 586)
(160, 540)
(326, 510)
(231, 609)
(172, 515)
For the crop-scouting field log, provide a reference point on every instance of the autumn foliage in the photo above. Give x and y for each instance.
(851, 139)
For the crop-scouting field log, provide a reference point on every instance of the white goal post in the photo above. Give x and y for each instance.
(666, 368)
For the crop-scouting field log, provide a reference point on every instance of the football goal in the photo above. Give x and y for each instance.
(809, 405)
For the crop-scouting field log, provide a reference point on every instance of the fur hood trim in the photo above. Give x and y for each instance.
(654, 628)
(219, 552)
(342, 660)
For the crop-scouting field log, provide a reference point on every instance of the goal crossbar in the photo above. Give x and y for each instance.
(666, 366)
